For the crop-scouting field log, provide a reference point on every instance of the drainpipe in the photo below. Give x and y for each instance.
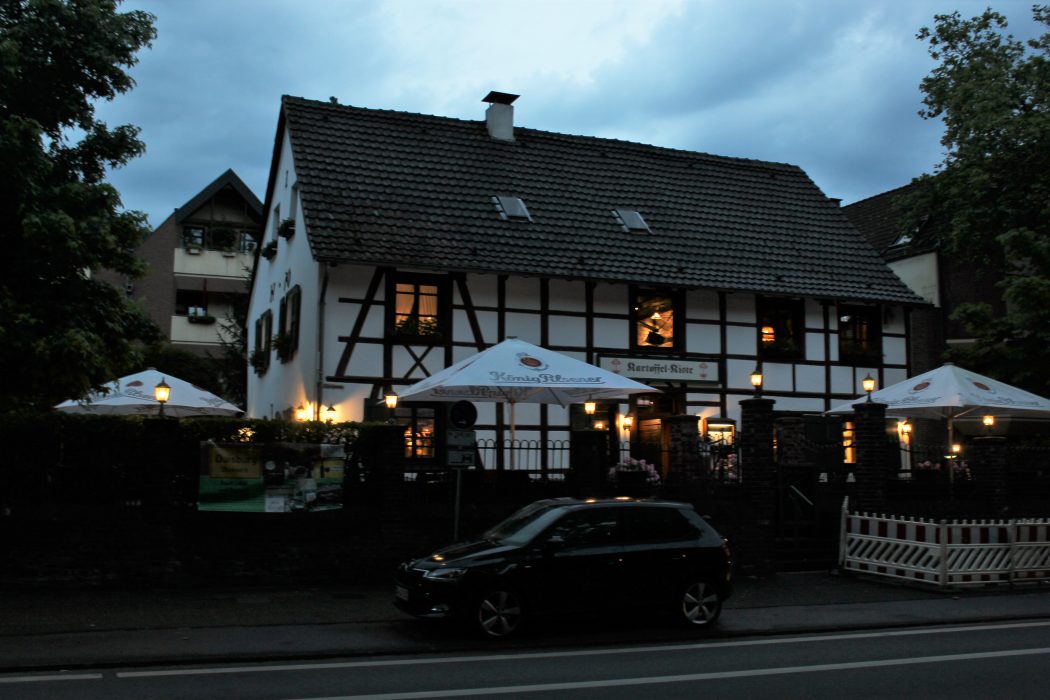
(320, 341)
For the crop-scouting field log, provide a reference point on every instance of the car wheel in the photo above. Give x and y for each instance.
(499, 613)
(699, 604)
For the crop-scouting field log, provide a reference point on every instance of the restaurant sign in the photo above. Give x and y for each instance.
(668, 368)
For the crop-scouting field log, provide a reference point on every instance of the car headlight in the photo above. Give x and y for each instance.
(449, 573)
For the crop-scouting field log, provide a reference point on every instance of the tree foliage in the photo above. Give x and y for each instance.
(62, 331)
(990, 197)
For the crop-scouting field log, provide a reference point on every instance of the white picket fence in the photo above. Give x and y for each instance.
(943, 552)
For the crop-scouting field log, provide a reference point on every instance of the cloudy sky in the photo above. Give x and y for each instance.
(828, 85)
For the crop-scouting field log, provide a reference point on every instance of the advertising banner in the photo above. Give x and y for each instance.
(271, 478)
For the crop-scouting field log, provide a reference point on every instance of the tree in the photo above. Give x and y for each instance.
(62, 331)
(989, 200)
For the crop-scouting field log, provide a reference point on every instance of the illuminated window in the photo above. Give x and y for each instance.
(417, 309)
(654, 320)
(849, 449)
(780, 327)
(419, 430)
(860, 334)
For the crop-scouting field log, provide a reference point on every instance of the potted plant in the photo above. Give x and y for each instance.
(286, 228)
(284, 344)
(634, 472)
(223, 238)
(269, 250)
(259, 360)
(418, 326)
(204, 320)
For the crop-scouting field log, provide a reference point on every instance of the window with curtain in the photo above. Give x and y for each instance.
(417, 308)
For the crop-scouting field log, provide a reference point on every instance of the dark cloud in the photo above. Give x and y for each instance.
(831, 86)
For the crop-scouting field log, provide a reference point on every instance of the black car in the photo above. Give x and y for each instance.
(563, 556)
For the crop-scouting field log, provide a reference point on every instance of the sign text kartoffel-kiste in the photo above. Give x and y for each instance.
(662, 368)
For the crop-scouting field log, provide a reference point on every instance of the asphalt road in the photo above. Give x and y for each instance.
(1005, 659)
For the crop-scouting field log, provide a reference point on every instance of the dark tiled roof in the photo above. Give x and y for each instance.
(227, 179)
(390, 188)
(878, 220)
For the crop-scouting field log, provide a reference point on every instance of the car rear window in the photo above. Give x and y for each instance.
(659, 525)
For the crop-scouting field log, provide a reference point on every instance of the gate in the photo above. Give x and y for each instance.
(811, 476)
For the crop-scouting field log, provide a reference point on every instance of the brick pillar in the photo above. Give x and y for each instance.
(758, 471)
(872, 453)
(684, 462)
(988, 465)
(589, 459)
(387, 466)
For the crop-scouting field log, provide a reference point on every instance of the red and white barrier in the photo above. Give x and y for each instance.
(945, 553)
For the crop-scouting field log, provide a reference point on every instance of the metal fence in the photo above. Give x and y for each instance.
(550, 460)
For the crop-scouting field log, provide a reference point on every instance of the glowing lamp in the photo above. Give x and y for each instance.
(869, 385)
(162, 392)
(756, 381)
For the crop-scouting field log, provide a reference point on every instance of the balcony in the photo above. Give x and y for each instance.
(225, 271)
(183, 330)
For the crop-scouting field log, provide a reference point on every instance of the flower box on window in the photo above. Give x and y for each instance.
(269, 250)
(418, 326)
(202, 320)
(259, 360)
(286, 229)
(284, 344)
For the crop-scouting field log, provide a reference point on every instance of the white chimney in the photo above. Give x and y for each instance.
(499, 117)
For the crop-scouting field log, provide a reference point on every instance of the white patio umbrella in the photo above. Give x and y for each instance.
(953, 392)
(133, 395)
(515, 371)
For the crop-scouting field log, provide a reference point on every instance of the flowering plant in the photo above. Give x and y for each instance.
(630, 464)
(928, 466)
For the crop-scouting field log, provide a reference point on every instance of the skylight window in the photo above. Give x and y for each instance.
(512, 208)
(631, 221)
(903, 239)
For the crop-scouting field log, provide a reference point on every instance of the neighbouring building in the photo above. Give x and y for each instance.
(942, 280)
(200, 261)
(396, 244)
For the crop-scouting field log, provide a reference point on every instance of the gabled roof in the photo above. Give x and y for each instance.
(878, 219)
(380, 187)
(227, 179)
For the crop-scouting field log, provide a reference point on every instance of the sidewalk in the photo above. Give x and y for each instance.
(50, 630)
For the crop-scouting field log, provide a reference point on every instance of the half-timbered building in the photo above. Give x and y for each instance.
(397, 244)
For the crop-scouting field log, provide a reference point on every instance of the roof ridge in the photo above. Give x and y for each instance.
(887, 193)
(755, 162)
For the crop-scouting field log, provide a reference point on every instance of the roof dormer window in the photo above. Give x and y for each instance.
(631, 221)
(512, 209)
